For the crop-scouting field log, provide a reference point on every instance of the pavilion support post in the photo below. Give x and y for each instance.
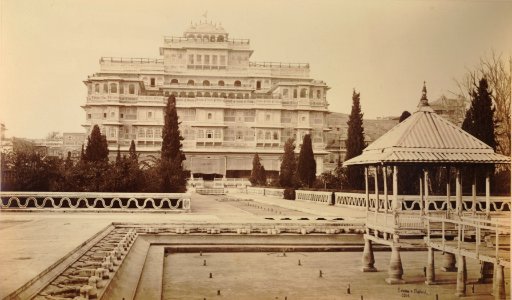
(421, 196)
(448, 192)
(448, 262)
(486, 272)
(367, 191)
(498, 287)
(458, 192)
(395, 270)
(431, 273)
(385, 180)
(394, 204)
(376, 181)
(462, 275)
(473, 192)
(368, 258)
(487, 194)
(427, 204)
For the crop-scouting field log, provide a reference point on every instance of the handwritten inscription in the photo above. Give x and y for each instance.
(407, 293)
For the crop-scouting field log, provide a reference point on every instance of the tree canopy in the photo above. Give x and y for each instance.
(287, 175)
(355, 143)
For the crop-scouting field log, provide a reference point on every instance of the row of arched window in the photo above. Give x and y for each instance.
(206, 37)
(191, 82)
(112, 88)
(212, 94)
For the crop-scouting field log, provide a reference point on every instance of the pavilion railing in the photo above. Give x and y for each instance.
(95, 201)
(412, 202)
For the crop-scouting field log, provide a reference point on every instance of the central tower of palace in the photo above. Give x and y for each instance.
(229, 106)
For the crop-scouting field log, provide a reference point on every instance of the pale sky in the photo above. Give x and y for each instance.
(383, 49)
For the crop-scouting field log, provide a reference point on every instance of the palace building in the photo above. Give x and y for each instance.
(229, 106)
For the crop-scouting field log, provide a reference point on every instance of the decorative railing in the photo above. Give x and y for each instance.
(272, 192)
(412, 202)
(279, 193)
(139, 60)
(255, 191)
(96, 201)
(267, 64)
(314, 196)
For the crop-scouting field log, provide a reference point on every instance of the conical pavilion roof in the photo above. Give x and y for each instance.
(426, 137)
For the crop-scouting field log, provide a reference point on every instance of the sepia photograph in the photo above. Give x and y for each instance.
(235, 149)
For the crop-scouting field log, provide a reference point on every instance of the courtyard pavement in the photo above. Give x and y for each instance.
(30, 242)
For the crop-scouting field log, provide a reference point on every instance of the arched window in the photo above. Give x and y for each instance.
(191, 95)
(239, 96)
(210, 116)
(183, 94)
(215, 95)
(247, 96)
(212, 38)
(121, 88)
(175, 81)
(231, 95)
(206, 83)
(223, 95)
(318, 94)
(303, 93)
(238, 83)
(221, 83)
(131, 89)
(175, 94)
(275, 136)
(199, 94)
(97, 88)
(220, 38)
(190, 82)
(267, 135)
(205, 38)
(105, 88)
(113, 88)
(295, 93)
(207, 94)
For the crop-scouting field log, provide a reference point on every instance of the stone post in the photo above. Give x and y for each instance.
(462, 276)
(448, 262)
(498, 287)
(395, 270)
(368, 259)
(431, 273)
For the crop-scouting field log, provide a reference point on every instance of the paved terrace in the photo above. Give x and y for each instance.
(31, 242)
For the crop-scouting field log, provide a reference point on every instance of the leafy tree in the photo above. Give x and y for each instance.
(97, 147)
(287, 174)
(174, 177)
(306, 167)
(404, 116)
(355, 143)
(258, 175)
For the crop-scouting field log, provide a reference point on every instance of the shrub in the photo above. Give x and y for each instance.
(289, 194)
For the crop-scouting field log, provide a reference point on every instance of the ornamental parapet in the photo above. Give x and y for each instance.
(16, 201)
(131, 64)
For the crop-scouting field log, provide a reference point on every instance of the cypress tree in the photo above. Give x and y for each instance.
(479, 120)
(404, 116)
(133, 152)
(68, 164)
(174, 178)
(97, 147)
(355, 143)
(306, 168)
(255, 178)
(118, 155)
(288, 165)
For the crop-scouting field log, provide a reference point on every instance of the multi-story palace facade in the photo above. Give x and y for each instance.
(229, 106)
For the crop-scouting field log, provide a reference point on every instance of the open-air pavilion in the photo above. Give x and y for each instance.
(427, 140)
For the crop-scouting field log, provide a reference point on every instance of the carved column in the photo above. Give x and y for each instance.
(368, 258)
(462, 276)
(431, 273)
(395, 270)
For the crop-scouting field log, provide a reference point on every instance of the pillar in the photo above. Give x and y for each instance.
(448, 262)
(425, 184)
(498, 287)
(487, 195)
(376, 183)
(486, 272)
(431, 273)
(368, 259)
(462, 276)
(473, 192)
(385, 180)
(421, 196)
(458, 192)
(395, 270)
(367, 193)
(448, 192)
(394, 205)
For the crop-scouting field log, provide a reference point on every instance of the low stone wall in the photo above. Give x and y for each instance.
(314, 196)
(95, 201)
(272, 192)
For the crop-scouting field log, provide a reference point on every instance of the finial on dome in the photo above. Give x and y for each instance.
(424, 100)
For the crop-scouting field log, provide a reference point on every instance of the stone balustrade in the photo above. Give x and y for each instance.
(271, 192)
(314, 196)
(96, 201)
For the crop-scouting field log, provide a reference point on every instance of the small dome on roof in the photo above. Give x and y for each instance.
(206, 27)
